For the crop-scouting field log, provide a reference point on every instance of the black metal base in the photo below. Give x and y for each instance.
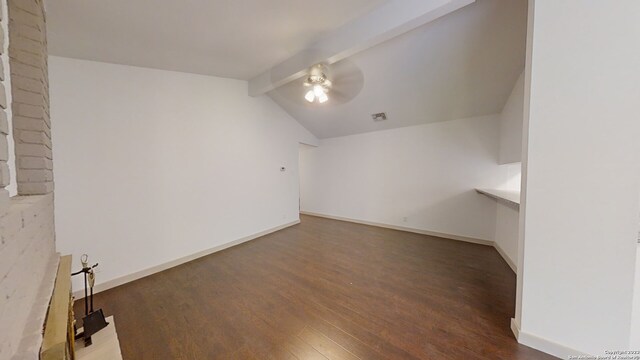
(93, 323)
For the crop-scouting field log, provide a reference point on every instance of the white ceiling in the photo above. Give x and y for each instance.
(461, 65)
(228, 38)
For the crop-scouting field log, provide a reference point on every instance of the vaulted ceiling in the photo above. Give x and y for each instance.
(462, 64)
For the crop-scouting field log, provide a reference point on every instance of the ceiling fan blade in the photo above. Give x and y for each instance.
(348, 82)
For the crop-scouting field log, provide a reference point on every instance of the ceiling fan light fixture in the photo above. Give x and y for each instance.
(319, 84)
(318, 90)
(310, 96)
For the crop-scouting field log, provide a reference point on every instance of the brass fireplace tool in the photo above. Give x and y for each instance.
(93, 320)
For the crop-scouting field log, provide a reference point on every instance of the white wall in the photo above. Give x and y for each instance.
(426, 174)
(581, 176)
(507, 229)
(511, 125)
(155, 165)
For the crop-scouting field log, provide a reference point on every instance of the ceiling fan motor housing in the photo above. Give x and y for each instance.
(318, 76)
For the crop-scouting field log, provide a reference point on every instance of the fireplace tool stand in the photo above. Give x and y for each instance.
(93, 320)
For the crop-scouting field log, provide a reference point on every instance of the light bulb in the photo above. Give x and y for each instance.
(323, 98)
(310, 96)
(318, 90)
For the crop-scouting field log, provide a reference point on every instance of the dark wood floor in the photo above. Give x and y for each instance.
(324, 289)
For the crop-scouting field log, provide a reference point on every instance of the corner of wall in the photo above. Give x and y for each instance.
(27, 249)
(305, 136)
(511, 119)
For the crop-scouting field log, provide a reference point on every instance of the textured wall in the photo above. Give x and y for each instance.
(30, 91)
(4, 124)
(27, 240)
(27, 269)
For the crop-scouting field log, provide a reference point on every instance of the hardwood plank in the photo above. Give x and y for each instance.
(327, 347)
(325, 289)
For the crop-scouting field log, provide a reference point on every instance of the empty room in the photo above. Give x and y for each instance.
(331, 180)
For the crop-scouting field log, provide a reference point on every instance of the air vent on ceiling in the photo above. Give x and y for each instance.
(379, 116)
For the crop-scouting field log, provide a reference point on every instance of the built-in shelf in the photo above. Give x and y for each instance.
(510, 196)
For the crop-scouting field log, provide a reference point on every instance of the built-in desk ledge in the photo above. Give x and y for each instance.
(510, 196)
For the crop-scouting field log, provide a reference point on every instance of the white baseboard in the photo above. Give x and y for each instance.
(545, 345)
(506, 258)
(515, 329)
(402, 228)
(155, 269)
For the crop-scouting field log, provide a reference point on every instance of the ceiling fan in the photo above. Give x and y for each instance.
(324, 84)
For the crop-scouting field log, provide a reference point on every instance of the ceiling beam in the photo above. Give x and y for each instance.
(393, 18)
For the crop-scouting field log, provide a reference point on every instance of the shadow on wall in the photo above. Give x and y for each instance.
(512, 176)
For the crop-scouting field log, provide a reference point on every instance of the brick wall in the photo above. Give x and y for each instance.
(27, 236)
(4, 124)
(30, 93)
